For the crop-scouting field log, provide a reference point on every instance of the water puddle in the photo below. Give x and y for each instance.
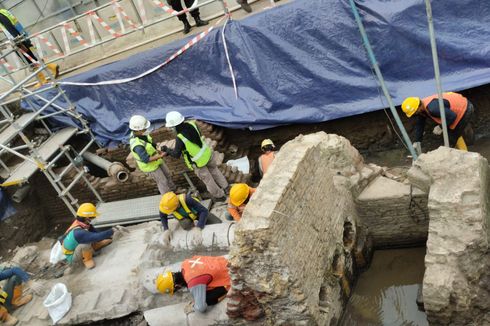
(386, 293)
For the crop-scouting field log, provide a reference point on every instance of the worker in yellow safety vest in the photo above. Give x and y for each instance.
(187, 210)
(148, 158)
(458, 110)
(198, 156)
(14, 31)
(268, 155)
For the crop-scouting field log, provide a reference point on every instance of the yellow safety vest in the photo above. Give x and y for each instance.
(3, 296)
(186, 208)
(144, 167)
(200, 156)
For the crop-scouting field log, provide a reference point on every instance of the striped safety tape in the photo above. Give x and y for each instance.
(118, 7)
(50, 45)
(104, 24)
(75, 34)
(6, 64)
(188, 45)
(169, 10)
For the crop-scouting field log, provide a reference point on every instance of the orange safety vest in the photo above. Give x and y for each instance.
(207, 265)
(457, 102)
(265, 160)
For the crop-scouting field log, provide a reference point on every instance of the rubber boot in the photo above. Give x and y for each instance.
(461, 145)
(245, 6)
(6, 318)
(42, 80)
(88, 260)
(54, 69)
(187, 26)
(200, 22)
(18, 299)
(101, 244)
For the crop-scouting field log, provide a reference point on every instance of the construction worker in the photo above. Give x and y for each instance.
(14, 31)
(240, 195)
(148, 158)
(269, 153)
(177, 6)
(186, 209)
(198, 156)
(82, 237)
(458, 111)
(206, 277)
(11, 295)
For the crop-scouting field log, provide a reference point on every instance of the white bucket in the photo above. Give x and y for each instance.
(58, 302)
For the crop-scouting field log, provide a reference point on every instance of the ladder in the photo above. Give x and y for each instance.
(46, 155)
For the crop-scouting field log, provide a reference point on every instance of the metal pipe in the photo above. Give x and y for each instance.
(114, 169)
(21, 193)
(437, 73)
(375, 65)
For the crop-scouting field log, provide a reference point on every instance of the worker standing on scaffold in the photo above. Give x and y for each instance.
(15, 32)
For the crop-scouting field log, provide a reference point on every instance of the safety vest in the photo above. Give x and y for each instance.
(14, 21)
(3, 296)
(187, 211)
(458, 104)
(265, 160)
(207, 265)
(68, 241)
(200, 156)
(148, 145)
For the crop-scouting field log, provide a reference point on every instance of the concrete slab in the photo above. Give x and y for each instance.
(384, 188)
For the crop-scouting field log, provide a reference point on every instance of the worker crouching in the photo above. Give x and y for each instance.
(187, 210)
(458, 111)
(206, 277)
(82, 238)
(240, 195)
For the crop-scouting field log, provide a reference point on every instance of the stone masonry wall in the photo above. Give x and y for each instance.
(456, 287)
(395, 213)
(292, 260)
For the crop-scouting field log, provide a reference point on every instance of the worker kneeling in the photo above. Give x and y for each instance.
(12, 294)
(82, 238)
(458, 111)
(240, 194)
(206, 278)
(187, 210)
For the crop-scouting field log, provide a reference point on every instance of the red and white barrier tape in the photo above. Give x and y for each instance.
(75, 34)
(6, 64)
(141, 6)
(189, 44)
(169, 10)
(31, 59)
(46, 41)
(118, 7)
(104, 24)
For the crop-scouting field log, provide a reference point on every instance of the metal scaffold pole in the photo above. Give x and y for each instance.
(437, 73)
(375, 65)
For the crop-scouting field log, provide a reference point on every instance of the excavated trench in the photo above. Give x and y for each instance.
(386, 293)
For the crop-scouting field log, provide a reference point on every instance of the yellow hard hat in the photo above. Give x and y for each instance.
(87, 210)
(266, 142)
(169, 203)
(165, 283)
(410, 105)
(239, 193)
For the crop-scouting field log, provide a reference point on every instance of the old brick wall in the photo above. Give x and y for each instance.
(394, 213)
(292, 259)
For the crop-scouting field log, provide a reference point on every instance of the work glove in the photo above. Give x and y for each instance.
(167, 237)
(195, 235)
(119, 232)
(417, 147)
(37, 287)
(437, 130)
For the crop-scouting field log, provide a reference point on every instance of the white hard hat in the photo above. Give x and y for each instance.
(138, 123)
(173, 119)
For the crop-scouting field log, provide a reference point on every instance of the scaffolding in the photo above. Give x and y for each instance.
(44, 154)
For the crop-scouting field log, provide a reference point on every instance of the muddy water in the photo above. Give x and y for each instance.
(386, 293)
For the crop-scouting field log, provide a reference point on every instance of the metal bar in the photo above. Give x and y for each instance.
(6, 168)
(63, 173)
(8, 149)
(25, 80)
(52, 114)
(91, 187)
(46, 126)
(375, 65)
(437, 72)
(58, 190)
(140, 20)
(84, 149)
(73, 183)
(57, 157)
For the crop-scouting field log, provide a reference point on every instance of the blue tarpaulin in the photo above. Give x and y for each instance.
(6, 208)
(301, 62)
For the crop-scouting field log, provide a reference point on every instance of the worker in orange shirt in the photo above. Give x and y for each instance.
(240, 195)
(269, 153)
